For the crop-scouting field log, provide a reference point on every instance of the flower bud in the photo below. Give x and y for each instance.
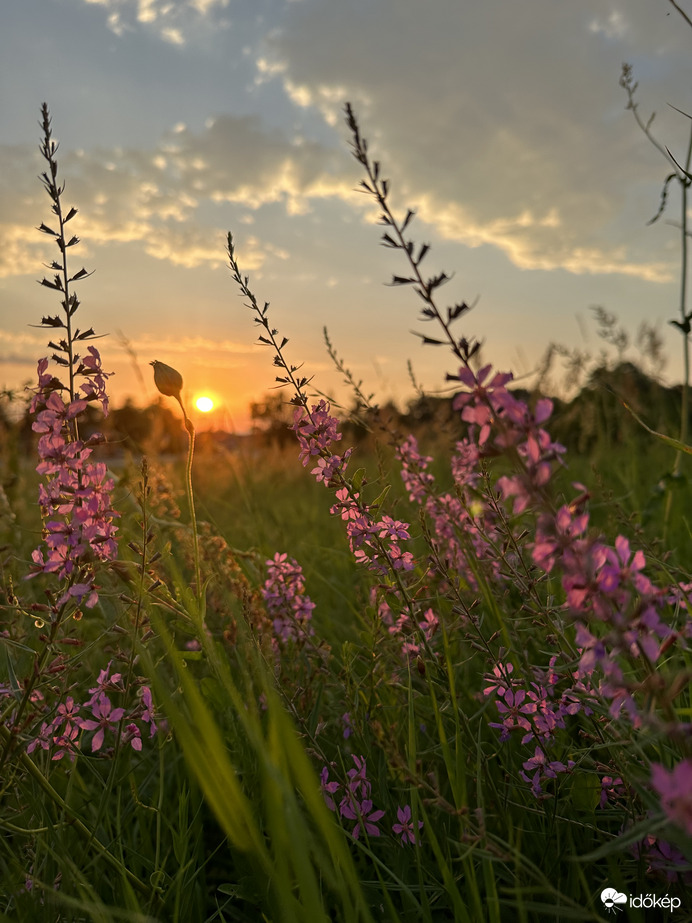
(167, 380)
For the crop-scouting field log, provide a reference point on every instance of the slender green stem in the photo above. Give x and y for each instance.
(48, 149)
(684, 322)
(75, 821)
(190, 497)
(40, 661)
(683, 305)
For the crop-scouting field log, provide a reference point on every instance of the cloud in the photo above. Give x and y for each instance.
(492, 124)
(491, 128)
(238, 159)
(170, 20)
(614, 26)
(21, 348)
(195, 346)
(162, 198)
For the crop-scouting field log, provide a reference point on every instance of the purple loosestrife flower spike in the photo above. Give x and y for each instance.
(288, 606)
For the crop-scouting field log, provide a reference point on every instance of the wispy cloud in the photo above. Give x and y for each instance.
(171, 20)
(158, 197)
(498, 133)
(22, 348)
(161, 198)
(197, 346)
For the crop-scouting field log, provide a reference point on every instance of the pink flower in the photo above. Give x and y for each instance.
(675, 791)
(66, 744)
(544, 770)
(288, 606)
(67, 715)
(133, 736)
(105, 682)
(328, 788)
(79, 522)
(430, 624)
(107, 718)
(348, 729)
(316, 431)
(43, 739)
(500, 681)
(148, 713)
(364, 815)
(404, 828)
(611, 789)
(515, 709)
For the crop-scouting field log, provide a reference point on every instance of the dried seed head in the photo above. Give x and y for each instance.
(167, 380)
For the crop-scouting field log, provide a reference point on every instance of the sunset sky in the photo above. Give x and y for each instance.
(501, 123)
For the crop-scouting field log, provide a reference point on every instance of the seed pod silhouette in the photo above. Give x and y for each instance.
(168, 380)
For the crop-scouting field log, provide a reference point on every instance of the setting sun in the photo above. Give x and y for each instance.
(205, 404)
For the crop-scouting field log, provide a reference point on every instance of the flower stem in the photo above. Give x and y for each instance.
(75, 820)
(190, 498)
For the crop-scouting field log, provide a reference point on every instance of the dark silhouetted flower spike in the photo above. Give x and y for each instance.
(167, 380)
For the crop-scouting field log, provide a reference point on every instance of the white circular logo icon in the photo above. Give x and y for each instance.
(611, 898)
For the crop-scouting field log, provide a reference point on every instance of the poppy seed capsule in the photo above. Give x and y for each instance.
(167, 380)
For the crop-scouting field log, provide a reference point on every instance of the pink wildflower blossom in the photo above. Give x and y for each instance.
(288, 606)
(348, 728)
(105, 718)
(363, 813)
(404, 828)
(514, 706)
(43, 739)
(663, 860)
(105, 682)
(543, 770)
(148, 713)
(611, 790)
(675, 791)
(328, 788)
(66, 744)
(79, 521)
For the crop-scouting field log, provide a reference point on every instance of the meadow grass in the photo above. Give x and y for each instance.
(385, 688)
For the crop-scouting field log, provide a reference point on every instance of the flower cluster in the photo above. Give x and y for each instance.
(663, 860)
(410, 632)
(464, 528)
(356, 805)
(75, 497)
(61, 736)
(466, 523)
(373, 542)
(316, 430)
(538, 711)
(615, 607)
(284, 594)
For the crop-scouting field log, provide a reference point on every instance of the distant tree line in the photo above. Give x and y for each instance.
(594, 418)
